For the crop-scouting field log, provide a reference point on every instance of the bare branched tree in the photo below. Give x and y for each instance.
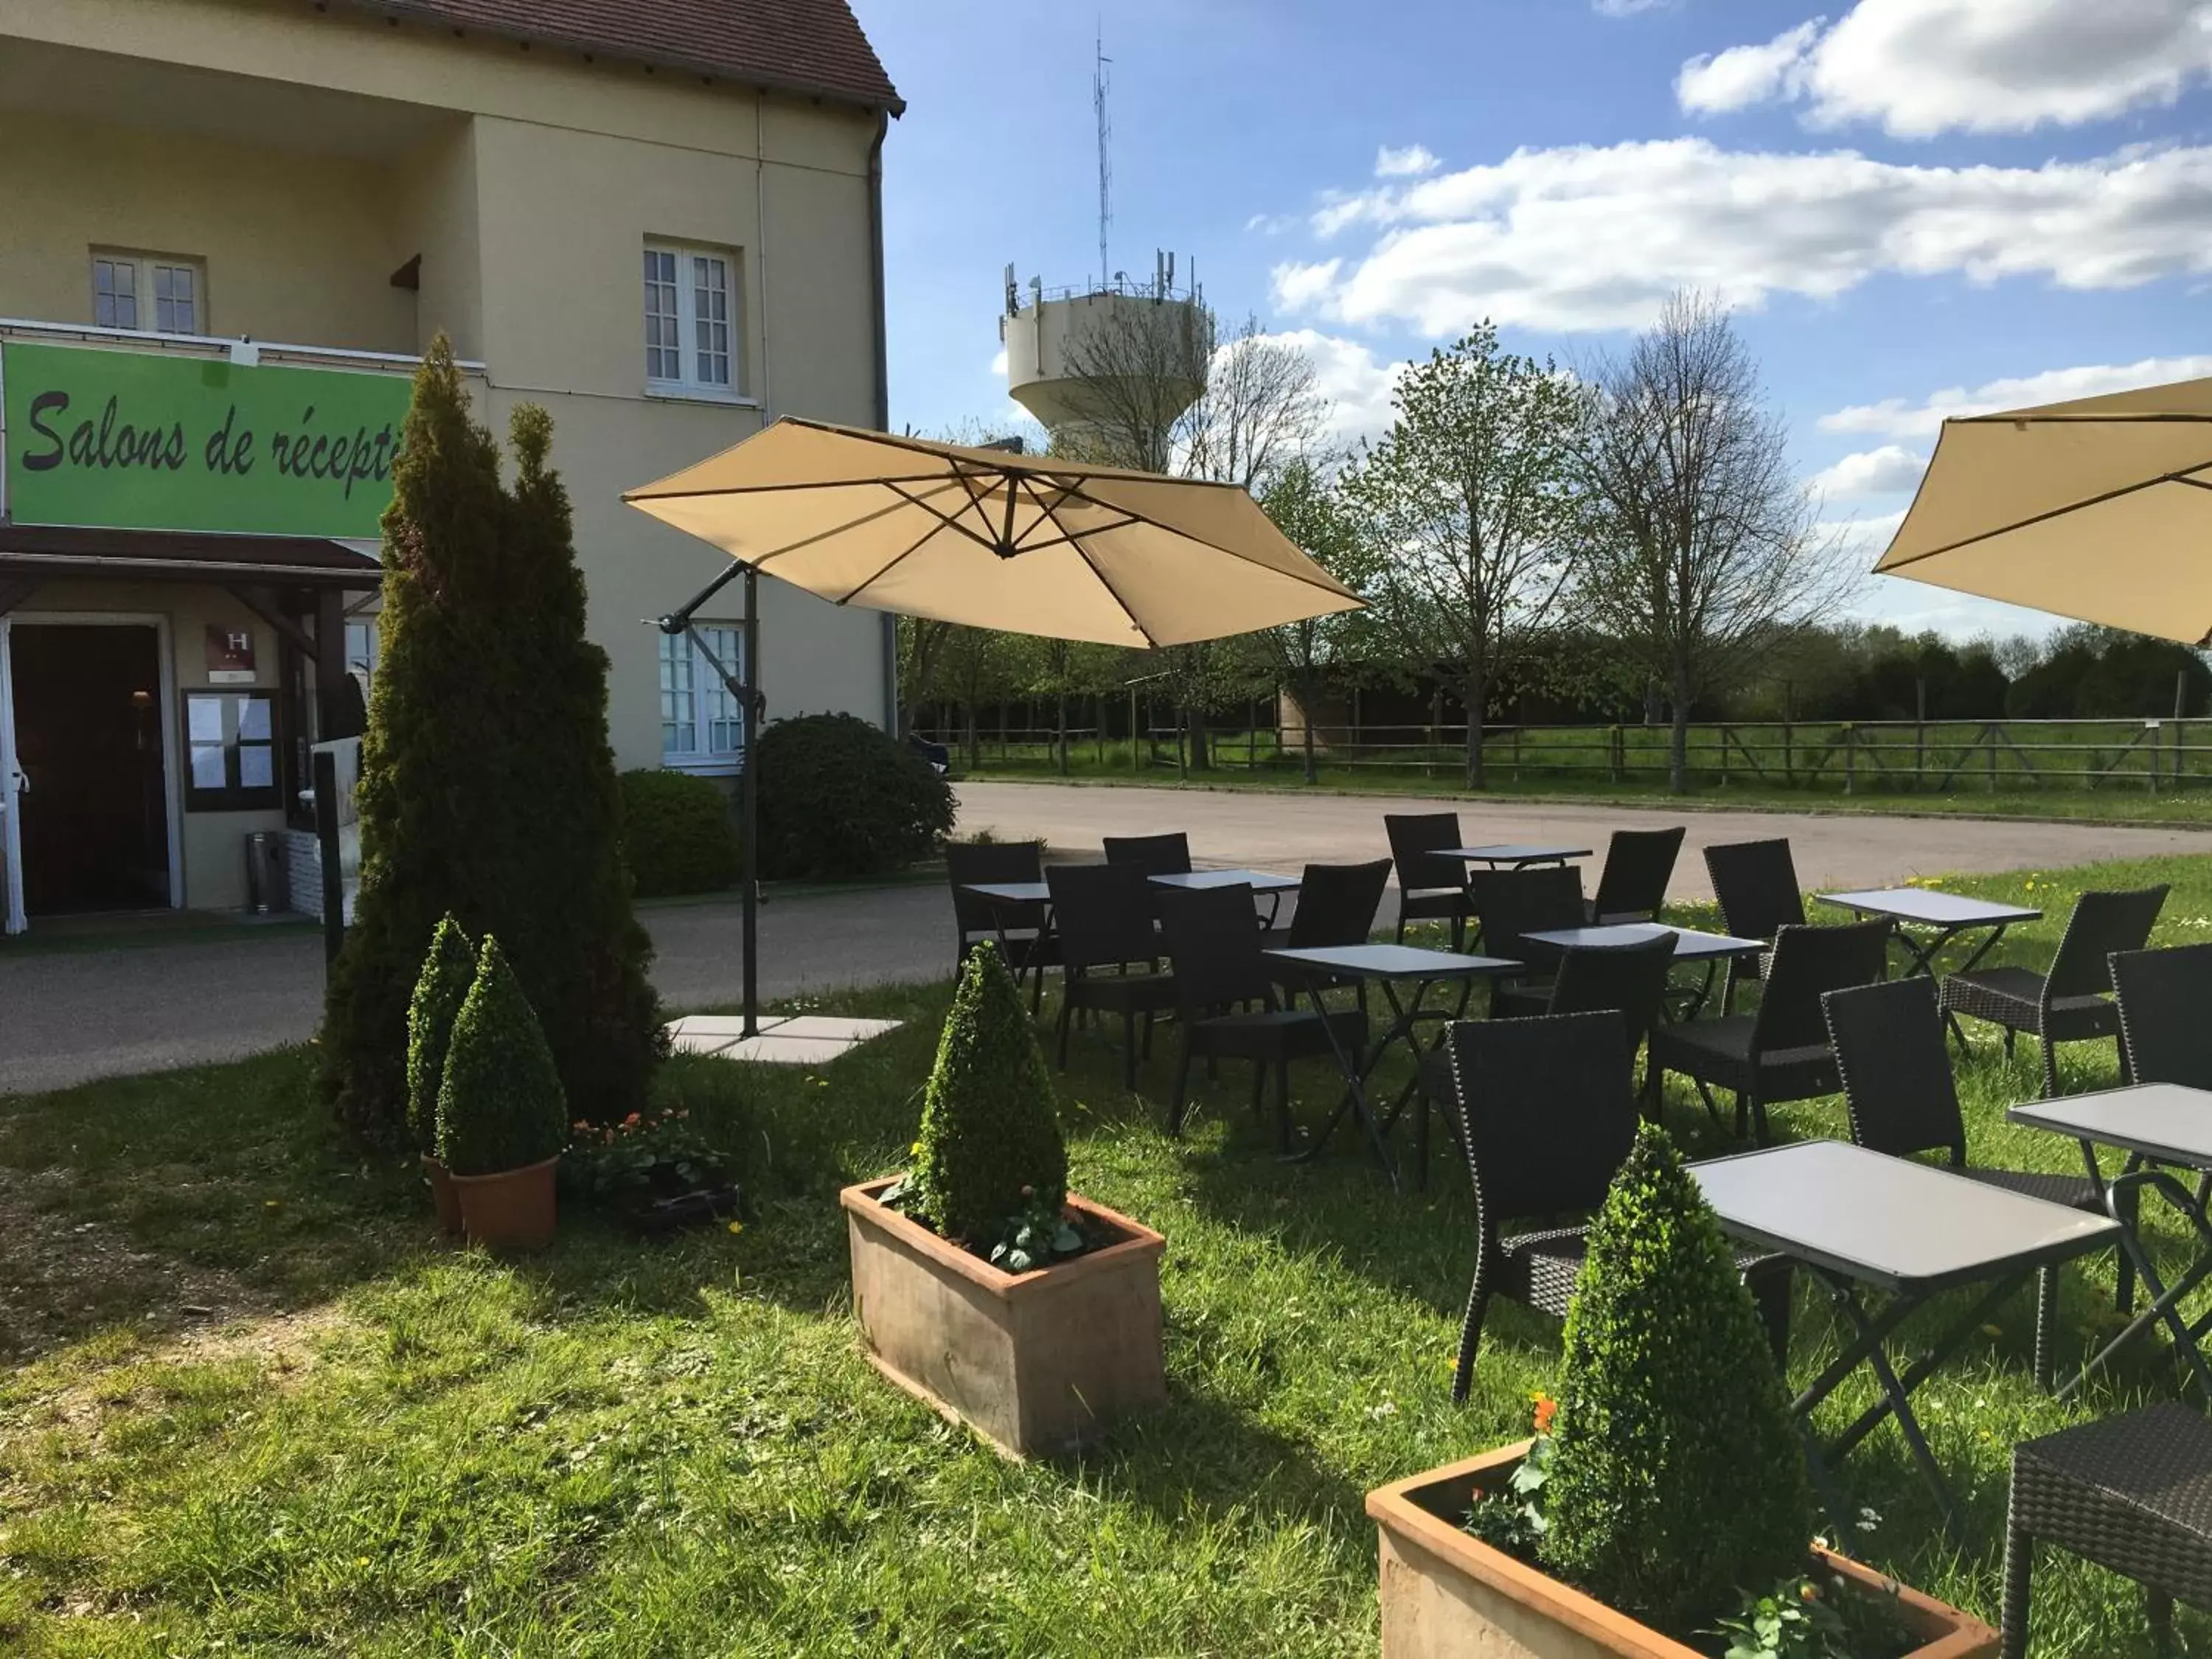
(1472, 495)
(1703, 550)
(1138, 366)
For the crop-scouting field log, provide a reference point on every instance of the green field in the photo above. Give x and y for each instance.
(376, 1445)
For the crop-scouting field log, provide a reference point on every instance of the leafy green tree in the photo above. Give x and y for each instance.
(990, 1146)
(1308, 506)
(1472, 498)
(499, 1105)
(487, 788)
(1677, 1476)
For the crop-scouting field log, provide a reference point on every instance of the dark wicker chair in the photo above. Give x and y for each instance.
(1638, 865)
(1226, 1002)
(2070, 1003)
(1337, 905)
(1755, 884)
(2132, 1494)
(2165, 1000)
(1511, 904)
(1155, 855)
(1899, 1092)
(1430, 889)
(1546, 1117)
(1630, 980)
(1031, 948)
(1110, 953)
(1781, 1053)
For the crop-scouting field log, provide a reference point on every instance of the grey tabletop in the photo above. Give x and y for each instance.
(1394, 962)
(1011, 892)
(1513, 853)
(1689, 945)
(1890, 1221)
(1920, 904)
(1260, 881)
(2163, 1120)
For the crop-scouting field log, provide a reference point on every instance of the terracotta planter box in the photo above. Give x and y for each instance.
(1446, 1595)
(1036, 1362)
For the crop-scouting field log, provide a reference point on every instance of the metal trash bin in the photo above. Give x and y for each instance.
(266, 879)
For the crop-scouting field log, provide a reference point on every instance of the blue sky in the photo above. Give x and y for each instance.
(1917, 206)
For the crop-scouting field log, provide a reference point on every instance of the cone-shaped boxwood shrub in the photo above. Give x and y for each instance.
(500, 1107)
(990, 1146)
(487, 786)
(1678, 1480)
(839, 798)
(447, 972)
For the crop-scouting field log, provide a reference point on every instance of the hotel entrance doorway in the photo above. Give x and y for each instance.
(90, 731)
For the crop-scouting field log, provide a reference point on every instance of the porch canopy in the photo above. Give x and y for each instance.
(2100, 509)
(34, 553)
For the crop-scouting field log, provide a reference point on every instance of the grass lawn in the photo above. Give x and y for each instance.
(248, 1403)
(2114, 804)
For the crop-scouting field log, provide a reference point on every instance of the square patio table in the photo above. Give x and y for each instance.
(1863, 1221)
(2161, 1123)
(1004, 896)
(1260, 881)
(1389, 966)
(1947, 915)
(1691, 946)
(1514, 856)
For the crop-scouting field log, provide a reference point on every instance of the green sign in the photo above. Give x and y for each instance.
(142, 440)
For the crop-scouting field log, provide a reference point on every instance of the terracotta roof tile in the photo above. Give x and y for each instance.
(813, 46)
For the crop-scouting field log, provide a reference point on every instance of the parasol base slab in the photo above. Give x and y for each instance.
(783, 1039)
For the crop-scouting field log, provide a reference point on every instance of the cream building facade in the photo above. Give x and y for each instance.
(663, 223)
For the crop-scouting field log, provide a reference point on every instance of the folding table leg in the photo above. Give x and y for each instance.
(1907, 1424)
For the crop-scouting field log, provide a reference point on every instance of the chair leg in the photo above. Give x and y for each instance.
(1470, 1334)
(2050, 1067)
(2019, 1561)
(1259, 1086)
(2046, 1327)
(2123, 1281)
(1181, 1087)
(1770, 1288)
(1129, 1050)
(2158, 1608)
(1401, 920)
(2011, 1042)
(1760, 1137)
(1066, 1016)
(1037, 989)
(1282, 1104)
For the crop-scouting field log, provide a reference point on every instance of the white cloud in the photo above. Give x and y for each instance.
(1626, 7)
(1883, 471)
(1410, 162)
(1921, 67)
(1595, 237)
(1859, 541)
(1347, 373)
(999, 363)
(1743, 75)
(1272, 224)
(1896, 418)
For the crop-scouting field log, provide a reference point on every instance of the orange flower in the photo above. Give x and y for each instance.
(630, 1121)
(1546, 1409)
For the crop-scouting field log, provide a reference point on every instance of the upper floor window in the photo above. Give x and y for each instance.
(160, 293)
(691, 319)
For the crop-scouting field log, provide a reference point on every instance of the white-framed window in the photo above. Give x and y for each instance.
(702, 726)
(691, 314)
(159, 293)
(361, 647)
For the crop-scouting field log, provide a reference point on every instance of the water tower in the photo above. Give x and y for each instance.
(1101, 365)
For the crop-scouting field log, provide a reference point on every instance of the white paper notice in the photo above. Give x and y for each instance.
(257, 766)
(206, 719)
(253, 720)
(208, 769)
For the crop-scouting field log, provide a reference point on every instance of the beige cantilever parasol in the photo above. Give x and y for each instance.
(2099, 509)
(1028, 543)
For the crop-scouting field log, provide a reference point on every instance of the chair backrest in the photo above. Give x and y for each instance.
(1102, 915)
(1889, 1040)
(1548, 1111)
(1629, 979)
(1808, 962)
(1638, 863)
(1756, 884)
(1338, 903)
(1510, 904)
(2101, 924)
(1156, 855)
(1216, 949)
(967, 863)
(2166, 1013)
(1415, 839)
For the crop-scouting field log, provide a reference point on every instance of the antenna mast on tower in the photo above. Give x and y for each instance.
(1101, 82)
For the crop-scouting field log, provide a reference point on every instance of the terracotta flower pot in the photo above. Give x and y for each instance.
(513, 1210)
(443, 1196)
(1036, 1362)
(1445, 1593)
